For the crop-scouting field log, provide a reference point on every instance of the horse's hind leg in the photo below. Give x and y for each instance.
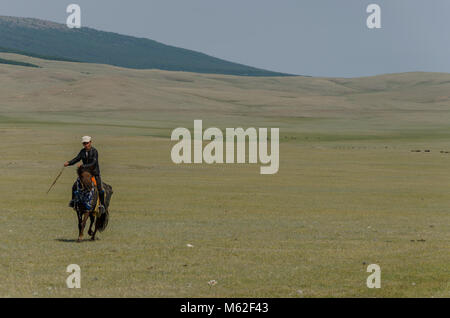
(92, 219)
(95, 230)
(83, 224)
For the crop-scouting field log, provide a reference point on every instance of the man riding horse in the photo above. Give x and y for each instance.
(89, 156)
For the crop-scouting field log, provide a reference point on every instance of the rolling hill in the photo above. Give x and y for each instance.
(363, 108)
(39, 38)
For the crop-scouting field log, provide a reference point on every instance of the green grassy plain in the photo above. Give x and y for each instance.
(349, 191)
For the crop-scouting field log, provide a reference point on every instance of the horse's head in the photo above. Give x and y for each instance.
(85, 178)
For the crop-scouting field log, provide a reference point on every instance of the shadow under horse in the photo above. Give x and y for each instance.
(87, 204)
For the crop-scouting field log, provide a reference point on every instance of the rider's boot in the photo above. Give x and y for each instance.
(102, 206)
(72, 202)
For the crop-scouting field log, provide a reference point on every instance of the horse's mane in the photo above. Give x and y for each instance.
(85, 176)
(82, 169)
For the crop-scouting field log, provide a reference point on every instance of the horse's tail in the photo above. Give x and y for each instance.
(102, 221)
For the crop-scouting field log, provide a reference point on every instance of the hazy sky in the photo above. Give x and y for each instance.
(308, 37)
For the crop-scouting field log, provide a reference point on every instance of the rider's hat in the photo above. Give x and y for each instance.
(86, 139)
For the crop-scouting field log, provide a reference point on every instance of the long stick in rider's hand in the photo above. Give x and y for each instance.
(59, 175)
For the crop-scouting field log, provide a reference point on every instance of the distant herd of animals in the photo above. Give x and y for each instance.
(428, 151)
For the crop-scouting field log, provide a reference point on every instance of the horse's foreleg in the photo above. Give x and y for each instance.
(80, 220)
(83, 224)
(92, 219)
(95, 229)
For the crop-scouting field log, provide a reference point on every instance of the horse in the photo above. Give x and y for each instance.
(87, 203)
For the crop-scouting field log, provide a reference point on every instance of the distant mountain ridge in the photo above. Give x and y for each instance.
(46, 39)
